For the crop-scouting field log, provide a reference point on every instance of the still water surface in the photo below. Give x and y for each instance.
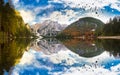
(65, 57)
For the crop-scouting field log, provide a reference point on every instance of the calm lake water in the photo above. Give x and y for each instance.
(65, 57)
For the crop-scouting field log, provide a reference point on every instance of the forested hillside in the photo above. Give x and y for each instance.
(113, 27)
(87, 26)
(11, 23)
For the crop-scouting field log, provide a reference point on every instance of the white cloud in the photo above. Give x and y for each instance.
(116, 6)
(27, 58)
(39, 9)
(27, 16)
(63, 56)
(72, 58)
(15, 1)
(89, 3)
(103, 17)
(55, 1)
(60, 17)
(116, 68)
(89, 71)
(90, 6)
(72, 16)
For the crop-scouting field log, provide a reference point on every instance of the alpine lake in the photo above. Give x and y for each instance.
(60, 57)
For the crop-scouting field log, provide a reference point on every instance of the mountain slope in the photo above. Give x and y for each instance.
(84, 26)
(50, 28)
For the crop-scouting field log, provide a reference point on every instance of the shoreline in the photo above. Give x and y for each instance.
(108, 37)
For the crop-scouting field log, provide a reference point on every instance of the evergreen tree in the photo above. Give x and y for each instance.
(113, 27)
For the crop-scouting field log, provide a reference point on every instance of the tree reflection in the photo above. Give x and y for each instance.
(85, 48)
(11, 51)
(91, 48)
(113, 46)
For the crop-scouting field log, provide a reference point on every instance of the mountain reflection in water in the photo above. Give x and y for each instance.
(67, 57)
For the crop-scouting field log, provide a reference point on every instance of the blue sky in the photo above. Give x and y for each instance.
(66, 11)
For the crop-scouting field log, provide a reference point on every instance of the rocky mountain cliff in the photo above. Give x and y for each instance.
(50, 28)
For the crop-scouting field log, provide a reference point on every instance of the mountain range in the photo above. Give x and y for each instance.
(48, 28)
(87, 26)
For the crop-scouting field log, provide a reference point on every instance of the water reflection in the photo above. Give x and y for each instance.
(48, 46)
(66, 57)
(85, 48)
(113, 46)
(11, 52)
